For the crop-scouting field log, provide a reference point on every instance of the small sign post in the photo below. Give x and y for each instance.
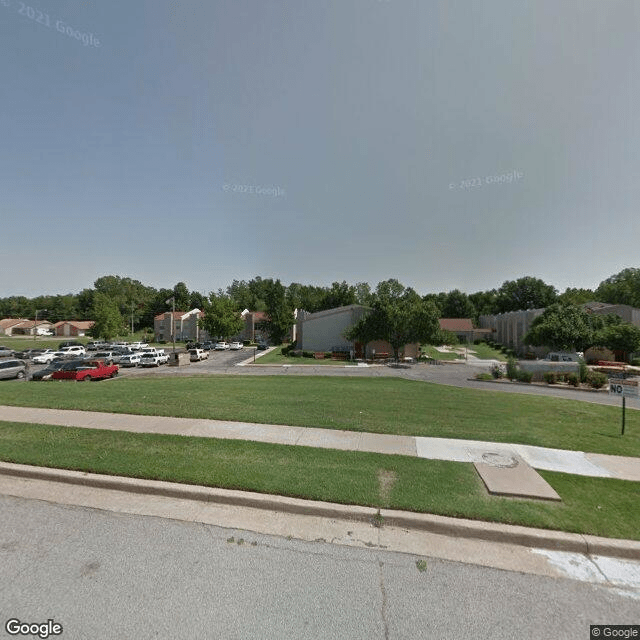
(624, 388)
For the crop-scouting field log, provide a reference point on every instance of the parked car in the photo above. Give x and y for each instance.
(193, 345)
(235, 346)
(6, 353)
(48, 371)
(130, 360)
(86, 371)
(69, 343)
(221, 346)
(262, 346)
(48, 356)
(137, 346)
(207, 345)
(28, 353)
(153, 359)
(12, 369)
(96, 346)
(107, 356)
(195, 355)
(74, 350)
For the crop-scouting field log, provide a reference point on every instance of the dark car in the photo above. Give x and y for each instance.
(194, 345)
(207, 345)
(29, 353)
(48, 371)
(263, 346)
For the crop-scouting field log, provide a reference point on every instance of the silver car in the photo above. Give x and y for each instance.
(12, 369)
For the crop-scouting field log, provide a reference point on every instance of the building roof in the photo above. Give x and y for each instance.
(456, 324)
(78, 324)
(11, 322)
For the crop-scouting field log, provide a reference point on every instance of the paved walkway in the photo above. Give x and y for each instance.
(574, 462)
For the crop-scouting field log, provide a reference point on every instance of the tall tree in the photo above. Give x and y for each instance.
(621, 288)
(108, 322)
(221, 316)
(565, 328)
(525, 293)
(458, 305)
(399, 316)
(182, 296)
(279, 312)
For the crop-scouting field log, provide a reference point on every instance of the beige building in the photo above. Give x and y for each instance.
(181, 324)
(324, 331)
(75, 328)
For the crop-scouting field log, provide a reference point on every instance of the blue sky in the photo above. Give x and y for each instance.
(449, 145)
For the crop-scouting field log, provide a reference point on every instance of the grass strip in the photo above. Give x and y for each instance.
(377, 405)
(276, 357)
(603, 507)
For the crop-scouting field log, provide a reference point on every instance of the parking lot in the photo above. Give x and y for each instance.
(217, 362)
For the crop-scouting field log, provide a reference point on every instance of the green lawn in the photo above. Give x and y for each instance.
(431, 352)
(379, 405)
(276, 357)
(485, 352)
(596, 506)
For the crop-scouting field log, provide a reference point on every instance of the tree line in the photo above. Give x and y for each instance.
(116, 302)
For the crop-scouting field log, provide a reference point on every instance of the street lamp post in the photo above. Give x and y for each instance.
(172, 300)
(35, 326)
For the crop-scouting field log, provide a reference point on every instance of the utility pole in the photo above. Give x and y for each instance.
(35, 326)
(172, 300)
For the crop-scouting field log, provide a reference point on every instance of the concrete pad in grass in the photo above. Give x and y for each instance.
(510, 475)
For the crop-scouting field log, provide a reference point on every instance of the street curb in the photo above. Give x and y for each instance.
(442, 525)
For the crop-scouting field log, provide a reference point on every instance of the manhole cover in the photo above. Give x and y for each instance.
(499, 460)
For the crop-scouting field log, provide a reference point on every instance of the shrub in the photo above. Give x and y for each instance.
(549, 377)
(484, 376)
(327, 355)
(308, 354)
(512, 369)
(597, 380)
(635, 362)
(583, 371)
(524, 376)
(294, 354)
(496, 371)
(572, 379)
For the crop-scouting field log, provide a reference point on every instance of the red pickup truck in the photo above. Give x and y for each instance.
(86, 371)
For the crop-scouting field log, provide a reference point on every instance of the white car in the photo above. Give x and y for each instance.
(73, 351)
(221, 346)
(153, 359)
(130, 360)
(195, 355)
(235, 346)
(48, 356)
(138, 346)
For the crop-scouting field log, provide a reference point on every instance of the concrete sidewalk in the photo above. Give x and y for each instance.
(573, 462)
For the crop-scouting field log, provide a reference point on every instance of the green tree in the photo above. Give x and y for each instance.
(108, 322)
(576, 296)
(182, 296)
(524, 293)
(621, 288)
(458, 305)
(399, 316)
(564, 327)
(279, 311)
(620, 336)
(221, 316)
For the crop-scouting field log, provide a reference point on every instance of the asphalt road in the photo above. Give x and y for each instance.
(106, 575)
